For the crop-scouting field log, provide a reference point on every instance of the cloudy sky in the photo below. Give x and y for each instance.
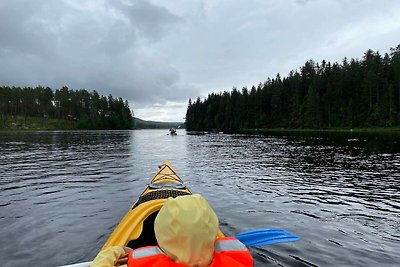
(159, 53)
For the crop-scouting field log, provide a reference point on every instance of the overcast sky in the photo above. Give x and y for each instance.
(159, 53)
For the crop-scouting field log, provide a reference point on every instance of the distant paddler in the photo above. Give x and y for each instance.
(172, 131)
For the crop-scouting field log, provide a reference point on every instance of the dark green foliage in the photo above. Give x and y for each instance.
(83, 109)
(355, 93)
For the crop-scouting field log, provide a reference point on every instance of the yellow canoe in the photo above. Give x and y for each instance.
(136, 229)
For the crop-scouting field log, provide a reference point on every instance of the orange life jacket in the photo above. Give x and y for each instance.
(228, 252)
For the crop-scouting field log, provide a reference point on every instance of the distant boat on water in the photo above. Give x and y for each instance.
(172, 131)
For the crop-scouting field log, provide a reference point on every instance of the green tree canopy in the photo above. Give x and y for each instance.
(354, 93)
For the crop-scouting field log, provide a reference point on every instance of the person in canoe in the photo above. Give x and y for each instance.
(186, 231)
(172, 131)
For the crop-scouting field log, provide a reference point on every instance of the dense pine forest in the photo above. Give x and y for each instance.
(83, 110)
(355, 93)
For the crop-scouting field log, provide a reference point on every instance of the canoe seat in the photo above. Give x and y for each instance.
(159, 194)
(147, 237)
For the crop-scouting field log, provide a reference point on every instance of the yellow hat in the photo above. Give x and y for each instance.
(186, 228)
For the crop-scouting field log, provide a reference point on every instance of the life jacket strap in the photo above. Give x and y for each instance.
(146, 252)
(229, 245)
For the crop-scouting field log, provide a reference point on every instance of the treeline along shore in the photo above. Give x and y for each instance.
(43, 108)
(354, 94)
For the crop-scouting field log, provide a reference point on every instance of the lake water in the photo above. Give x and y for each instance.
(62, 193)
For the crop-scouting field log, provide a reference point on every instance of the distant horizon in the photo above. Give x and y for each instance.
(158, 120)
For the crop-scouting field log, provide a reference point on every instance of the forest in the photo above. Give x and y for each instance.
(82, 109)
(350, 94)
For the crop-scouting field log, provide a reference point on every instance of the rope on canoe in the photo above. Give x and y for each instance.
(159, 194)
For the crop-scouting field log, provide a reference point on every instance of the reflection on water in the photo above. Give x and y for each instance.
(55, 193)
(66, 191)
(343, 204)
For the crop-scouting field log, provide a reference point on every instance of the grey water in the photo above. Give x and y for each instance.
(62, 193)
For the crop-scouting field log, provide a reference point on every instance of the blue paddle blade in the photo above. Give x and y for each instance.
(261, 237)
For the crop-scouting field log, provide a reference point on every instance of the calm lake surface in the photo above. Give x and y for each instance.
(62, 193)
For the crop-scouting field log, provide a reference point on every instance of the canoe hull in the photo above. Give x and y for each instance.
(136, 229)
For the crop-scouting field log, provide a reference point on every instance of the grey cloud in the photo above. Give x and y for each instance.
(22, 30)
(303, 2)
(118, 38)
(150, 20)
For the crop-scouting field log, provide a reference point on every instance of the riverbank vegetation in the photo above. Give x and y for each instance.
(353, 94)
(41, 108)
(143, 124)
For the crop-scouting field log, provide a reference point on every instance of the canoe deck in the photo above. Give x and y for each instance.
(136, 229)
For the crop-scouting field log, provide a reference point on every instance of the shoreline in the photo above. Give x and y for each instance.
(353, 132)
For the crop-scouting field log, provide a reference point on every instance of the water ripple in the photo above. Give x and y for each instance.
(338, 195)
